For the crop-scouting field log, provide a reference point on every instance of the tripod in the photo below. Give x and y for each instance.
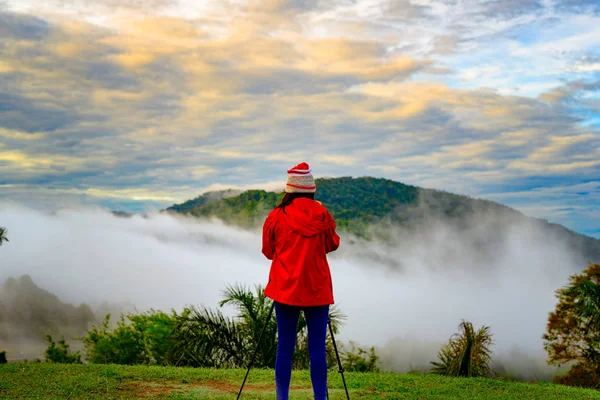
(340, 370)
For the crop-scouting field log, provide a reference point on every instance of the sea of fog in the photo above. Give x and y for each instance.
(166, 262)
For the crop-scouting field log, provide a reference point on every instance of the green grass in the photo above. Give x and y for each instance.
(55, 381)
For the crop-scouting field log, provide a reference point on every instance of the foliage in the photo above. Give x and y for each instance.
(581, 374)
(3, 235)
(252, 312)
(467, 353)
(246, 210)
(123, 345)
(158, 331)
(207, 338)
(358, 359)
(199, 337)
(3, 359)
(354, 203)
(94, 382)
(205, 198)
(60, 352)
(148, 338)
(573, 330)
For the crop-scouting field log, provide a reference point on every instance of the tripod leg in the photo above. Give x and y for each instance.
(337, 354)
(257, 347)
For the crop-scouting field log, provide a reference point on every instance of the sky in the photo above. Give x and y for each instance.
(135, 105)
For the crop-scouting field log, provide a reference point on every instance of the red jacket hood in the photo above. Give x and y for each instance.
(308, 217)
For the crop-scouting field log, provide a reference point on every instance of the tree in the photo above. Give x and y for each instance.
(3, 237)
(573, 331)
(467, 353)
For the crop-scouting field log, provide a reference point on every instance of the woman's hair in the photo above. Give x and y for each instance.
(289, 197)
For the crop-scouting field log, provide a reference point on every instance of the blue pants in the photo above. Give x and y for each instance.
(287, 323)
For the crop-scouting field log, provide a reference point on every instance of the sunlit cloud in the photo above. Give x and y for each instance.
(143, 104)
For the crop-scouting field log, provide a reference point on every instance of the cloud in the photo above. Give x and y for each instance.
(511, 8)
(166, 262)
(138, 100)
(280, 6)
(20, 113)
(570, 90)
(405, 10)
(22, 27)
(578, 6)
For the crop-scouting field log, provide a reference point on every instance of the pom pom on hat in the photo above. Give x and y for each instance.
(300, 180)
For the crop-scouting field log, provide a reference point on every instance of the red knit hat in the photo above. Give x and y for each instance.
(300, 180)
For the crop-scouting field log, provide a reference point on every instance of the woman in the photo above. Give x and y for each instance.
(297, 235)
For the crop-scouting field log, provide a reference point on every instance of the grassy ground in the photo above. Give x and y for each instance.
(53, 381)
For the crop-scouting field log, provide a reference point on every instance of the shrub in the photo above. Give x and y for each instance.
(148, 338)
(158, 331)
(359, 360)
(60, 352)
(123, 345)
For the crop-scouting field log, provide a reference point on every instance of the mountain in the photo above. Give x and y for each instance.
(204, 199)
(30, 312)
(371, 208)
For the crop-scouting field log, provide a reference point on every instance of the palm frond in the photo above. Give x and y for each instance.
(253, 310)
(242, 299)
(336, 316)
(3, 237)
(466, 354)
(208, 338)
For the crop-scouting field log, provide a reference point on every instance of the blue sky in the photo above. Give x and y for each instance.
(138, 105)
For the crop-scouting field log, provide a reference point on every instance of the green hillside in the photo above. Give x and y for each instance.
(203, 199)
(360, 204)
(89, 381)
(355, 203)
(246, 210)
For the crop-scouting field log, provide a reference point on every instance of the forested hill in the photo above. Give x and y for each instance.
(358, 204)
(204, 199)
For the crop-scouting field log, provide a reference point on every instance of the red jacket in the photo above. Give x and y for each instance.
(297, 241)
